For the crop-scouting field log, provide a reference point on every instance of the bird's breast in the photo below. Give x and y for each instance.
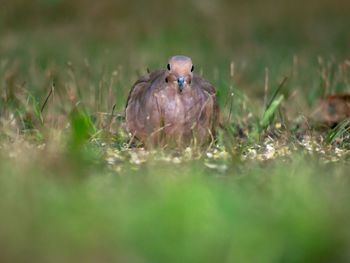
(178, 108)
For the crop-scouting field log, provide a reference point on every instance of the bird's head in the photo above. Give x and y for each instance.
(179, 71)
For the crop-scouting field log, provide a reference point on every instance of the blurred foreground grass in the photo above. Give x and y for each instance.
(272, 189)
(295, 211)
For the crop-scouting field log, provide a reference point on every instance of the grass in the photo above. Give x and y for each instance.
(273, 188)
(185, 214)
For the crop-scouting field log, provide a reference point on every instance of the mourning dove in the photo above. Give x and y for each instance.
(172, 105)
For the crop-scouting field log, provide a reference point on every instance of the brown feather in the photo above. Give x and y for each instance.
(158, 113)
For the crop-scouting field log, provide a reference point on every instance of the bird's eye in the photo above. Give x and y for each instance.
(192, 68)
(168, 66)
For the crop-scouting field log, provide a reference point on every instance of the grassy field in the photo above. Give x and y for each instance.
(274, 187)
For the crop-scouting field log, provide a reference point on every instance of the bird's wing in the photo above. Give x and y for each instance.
(206, 86)
(142, 111)
(142, 84)
(203, 84)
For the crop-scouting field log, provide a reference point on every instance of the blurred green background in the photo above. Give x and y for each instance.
(228, 29)
(130, 36)
(61, 202)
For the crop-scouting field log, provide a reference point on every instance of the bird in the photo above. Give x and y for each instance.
(172, 106)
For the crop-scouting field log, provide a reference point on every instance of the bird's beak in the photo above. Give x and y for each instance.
(181, 83)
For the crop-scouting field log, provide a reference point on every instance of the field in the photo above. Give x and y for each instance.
(273, 187)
